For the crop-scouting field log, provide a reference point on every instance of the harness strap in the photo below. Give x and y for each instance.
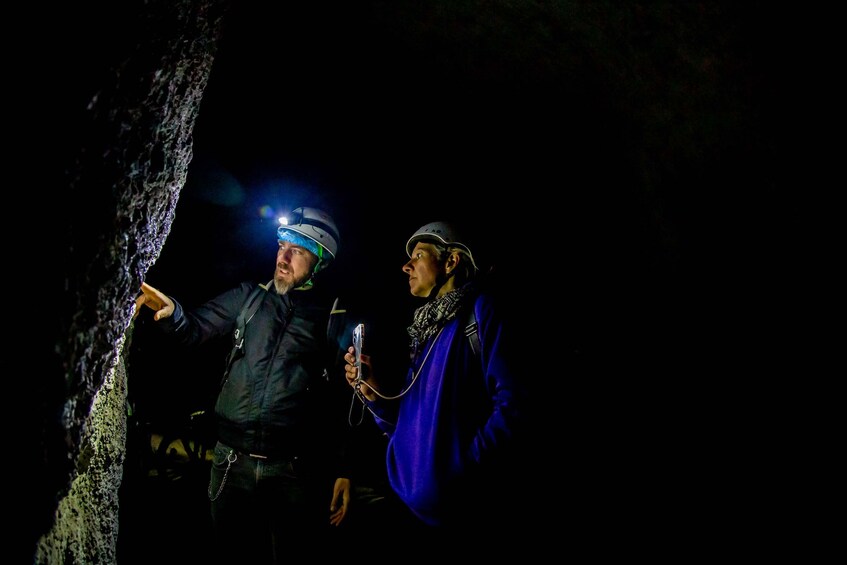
(247, 312)
(472, 330)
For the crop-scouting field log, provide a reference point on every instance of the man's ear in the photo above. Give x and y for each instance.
(452, 260)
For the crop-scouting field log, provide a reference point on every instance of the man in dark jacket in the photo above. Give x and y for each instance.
(271, 486)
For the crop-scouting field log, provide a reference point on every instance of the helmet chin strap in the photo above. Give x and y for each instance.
(308, 283)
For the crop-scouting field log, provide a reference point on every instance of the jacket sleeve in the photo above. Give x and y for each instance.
(212, 319)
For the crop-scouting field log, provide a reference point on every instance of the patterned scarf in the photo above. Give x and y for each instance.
(434, 314)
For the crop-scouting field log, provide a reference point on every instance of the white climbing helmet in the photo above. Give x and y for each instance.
(440, 232)
(317, 226)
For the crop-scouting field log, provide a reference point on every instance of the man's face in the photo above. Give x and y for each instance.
(294, 265)
(424, 269)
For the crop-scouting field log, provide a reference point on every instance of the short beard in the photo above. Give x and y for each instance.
(282, 287)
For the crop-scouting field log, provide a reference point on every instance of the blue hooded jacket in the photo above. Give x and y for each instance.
(453, 430)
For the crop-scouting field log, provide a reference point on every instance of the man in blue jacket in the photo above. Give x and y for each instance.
(271, 480)
(454, 422)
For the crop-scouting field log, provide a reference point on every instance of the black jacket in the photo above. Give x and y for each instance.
(277, 400)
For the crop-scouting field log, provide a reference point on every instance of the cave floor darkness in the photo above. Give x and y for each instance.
(164, 510)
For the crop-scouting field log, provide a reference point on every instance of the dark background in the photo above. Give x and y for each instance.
(616, 163)
(390, 117)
